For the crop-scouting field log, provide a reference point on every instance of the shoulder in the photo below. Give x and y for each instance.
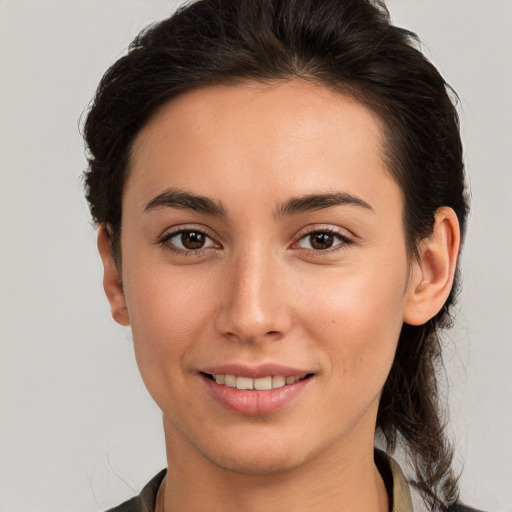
(419, 504)
(145, 501)
(132, 505)
(461, 508)
(406, 495)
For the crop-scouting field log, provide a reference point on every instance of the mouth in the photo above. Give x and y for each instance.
(258, 389)
(258, 384)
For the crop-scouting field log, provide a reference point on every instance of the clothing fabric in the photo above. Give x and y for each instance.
(146, 500)
(404, 497)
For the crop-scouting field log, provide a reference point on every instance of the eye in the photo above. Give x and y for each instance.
(186, 240)
(322, 240)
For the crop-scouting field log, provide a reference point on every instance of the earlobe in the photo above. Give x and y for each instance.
(433, 272)
(112, 283)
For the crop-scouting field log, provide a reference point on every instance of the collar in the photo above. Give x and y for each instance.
(395, 481)
(394, 478)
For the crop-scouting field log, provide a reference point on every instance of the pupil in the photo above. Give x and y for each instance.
(321, 240)
(192, 239)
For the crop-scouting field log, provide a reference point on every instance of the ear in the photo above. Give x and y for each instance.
(433, 271)
(112, 283)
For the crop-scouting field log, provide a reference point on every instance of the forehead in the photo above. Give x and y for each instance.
(285, 137)
(301, 108)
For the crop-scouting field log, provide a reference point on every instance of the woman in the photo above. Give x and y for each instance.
(279, 190)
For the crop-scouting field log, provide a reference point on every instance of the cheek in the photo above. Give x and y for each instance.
(165, 302)
(161, 310)
(357, 318)
(168, 316)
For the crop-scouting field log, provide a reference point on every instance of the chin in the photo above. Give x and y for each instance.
(254, 453)
(255, 463)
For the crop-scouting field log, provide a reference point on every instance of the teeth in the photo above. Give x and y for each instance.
(278, 381)
(244, 383)
(261, 384)
(230, 381)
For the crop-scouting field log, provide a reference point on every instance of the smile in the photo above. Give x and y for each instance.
(259, 384)
(257, 395)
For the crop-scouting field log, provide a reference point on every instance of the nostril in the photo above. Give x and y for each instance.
(243, 321)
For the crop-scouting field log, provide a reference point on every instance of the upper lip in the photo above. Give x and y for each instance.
(255, 371)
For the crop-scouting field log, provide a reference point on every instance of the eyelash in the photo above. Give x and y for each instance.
(343, 241)
(165, 240)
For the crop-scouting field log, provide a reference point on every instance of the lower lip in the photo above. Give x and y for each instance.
(255, 403)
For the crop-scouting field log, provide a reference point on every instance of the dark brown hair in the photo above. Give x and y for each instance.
(349, 46)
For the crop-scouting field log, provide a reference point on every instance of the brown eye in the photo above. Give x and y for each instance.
(321, 241)
(187, 240)
(193, 239)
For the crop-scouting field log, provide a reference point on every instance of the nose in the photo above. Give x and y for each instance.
(255, 302)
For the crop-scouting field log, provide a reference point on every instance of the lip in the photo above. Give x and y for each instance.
(255, 403)
(255, 372)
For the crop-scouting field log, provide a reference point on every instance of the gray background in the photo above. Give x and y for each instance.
(77, 429)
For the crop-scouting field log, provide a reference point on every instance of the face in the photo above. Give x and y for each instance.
(263, 247)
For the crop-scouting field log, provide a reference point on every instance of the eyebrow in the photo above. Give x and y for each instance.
(320, 201)
(173, 198)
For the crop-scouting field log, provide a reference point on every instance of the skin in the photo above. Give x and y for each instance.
(257, 292)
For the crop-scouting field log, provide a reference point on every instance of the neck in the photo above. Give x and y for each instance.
(335, 480)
